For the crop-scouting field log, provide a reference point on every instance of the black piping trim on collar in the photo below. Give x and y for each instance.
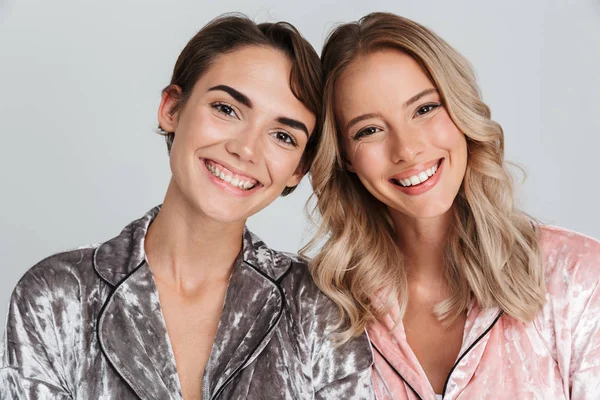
(95, 264)
(277, 319)
(453, 367)
(110, 296)
(397, 372)
(97, 270)
(468, 350)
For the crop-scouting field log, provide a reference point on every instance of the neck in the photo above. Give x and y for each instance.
(186, 248)
(422, 241)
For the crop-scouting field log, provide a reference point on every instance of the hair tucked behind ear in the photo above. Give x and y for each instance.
(492, 253)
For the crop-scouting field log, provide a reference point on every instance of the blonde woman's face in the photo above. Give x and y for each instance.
(397, 135)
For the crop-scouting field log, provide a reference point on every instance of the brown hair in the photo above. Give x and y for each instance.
(492, 252)
(231, 32)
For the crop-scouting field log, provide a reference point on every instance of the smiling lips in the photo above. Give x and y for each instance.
(419, 179)
(235, 180)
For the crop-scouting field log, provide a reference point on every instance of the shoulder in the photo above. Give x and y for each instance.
(569, 257)
(45, 322)
(319, 316)
(569, 320)
(301, 292)
(571, 262)
(61, 273)
(298, 276)
(300, 286)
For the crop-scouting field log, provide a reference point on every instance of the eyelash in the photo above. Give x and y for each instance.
(226, 109)
(363, 132)
(229, 111)
(292, 141)
(428, 107)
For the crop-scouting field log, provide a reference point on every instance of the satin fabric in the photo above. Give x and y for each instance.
(87, 324)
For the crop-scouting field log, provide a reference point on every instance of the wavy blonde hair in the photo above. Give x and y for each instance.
(492, 251)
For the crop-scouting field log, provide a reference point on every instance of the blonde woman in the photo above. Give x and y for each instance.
(463, 295)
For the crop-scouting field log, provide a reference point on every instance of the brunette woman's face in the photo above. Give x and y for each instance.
(240, 136)
(397, 135)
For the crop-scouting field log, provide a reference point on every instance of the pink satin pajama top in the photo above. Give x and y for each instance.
(556, 356)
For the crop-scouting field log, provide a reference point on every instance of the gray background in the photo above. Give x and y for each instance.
(80, 82)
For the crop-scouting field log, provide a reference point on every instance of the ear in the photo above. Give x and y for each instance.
(169, 108)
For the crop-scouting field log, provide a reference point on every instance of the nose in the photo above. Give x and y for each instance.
(245, 145)
(406, 145)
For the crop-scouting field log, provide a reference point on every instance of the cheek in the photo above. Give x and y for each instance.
(447, 135)
(194, 132)
(449, 138)
(368, 159)
(182, 152)
(200, 128)
(281, 163)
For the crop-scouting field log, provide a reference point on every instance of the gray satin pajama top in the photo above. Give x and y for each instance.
(87, 324)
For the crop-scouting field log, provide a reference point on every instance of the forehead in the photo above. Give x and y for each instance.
(262, 74)
(379, 77)
(252, 64)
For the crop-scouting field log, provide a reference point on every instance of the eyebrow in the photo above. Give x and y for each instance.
(410, 101)
(292, 123)
(245, 100)
(419, 95)
(236, 94)
(356, 120)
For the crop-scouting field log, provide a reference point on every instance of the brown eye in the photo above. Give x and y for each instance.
(285, 138)
(426, 109)
(368, 131)
(225, 109)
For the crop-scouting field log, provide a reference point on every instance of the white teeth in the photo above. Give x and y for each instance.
(419, 178)
(224, 176)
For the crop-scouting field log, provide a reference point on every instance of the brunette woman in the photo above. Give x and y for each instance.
(185, 302)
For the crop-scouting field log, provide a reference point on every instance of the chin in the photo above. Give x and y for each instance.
(426, 211)
(220, 206)
(216, 209)
(431, 213)
(224, 215)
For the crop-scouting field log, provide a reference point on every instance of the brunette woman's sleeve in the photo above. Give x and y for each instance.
(33, 347)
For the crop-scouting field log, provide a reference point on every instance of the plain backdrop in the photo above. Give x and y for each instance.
(80, 83)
